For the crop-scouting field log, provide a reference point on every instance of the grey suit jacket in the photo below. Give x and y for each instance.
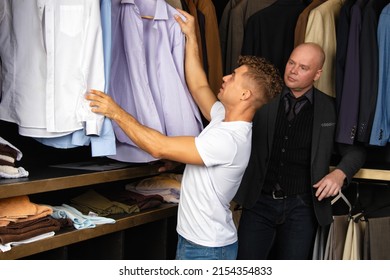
(324, 125)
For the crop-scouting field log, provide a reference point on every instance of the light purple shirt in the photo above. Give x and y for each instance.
(147, 73)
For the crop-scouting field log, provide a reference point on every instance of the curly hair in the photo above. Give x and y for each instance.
(265, 75)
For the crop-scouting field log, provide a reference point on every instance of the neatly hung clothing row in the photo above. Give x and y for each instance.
(354, 238)
(263, 28)
(362, 72)
(147, 72)
(52, 52)
(50, 55)
(361, 232)
(354, 35)
(232, 27)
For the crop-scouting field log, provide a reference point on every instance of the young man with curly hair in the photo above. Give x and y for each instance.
(215, 159)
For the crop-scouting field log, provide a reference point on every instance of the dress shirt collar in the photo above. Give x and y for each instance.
(161, 12)
(309, 94)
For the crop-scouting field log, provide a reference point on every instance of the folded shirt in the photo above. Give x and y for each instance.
(8, 155)
(133, 198)
(20, 231)
(80, 221)
(91, 201)
(8, 246)
(6, 160)
(10, 172)
(167, 185)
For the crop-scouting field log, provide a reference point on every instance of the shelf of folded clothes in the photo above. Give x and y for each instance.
(69, 235)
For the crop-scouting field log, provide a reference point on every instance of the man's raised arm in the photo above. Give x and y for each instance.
(194, 72)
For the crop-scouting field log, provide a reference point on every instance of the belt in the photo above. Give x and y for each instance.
(280, 194)
(276, 194)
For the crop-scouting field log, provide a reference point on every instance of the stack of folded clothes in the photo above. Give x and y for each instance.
(21, 220)
(134, 199)
(9, 154)
(166, 185)
(94, 202)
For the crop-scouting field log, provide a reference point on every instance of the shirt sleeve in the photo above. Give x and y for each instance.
(216, 146)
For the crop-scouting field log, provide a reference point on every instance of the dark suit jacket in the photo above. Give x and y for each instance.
(324, 124)
(350, 94)
(369, 67)
(270, 38)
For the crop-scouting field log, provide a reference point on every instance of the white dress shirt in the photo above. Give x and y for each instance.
(57, 56)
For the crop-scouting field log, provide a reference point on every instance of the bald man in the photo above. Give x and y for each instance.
(286, 189)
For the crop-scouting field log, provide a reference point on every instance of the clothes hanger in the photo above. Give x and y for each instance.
(148, 17)
(344, 198)
(358, 216)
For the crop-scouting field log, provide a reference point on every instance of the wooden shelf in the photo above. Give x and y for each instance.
(49, 179)
(73, 236)
(371, 174)
(52, 179)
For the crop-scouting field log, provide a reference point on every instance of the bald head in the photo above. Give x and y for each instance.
(304, 67)
(313, 52)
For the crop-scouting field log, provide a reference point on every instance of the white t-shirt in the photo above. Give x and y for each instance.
(204, 216)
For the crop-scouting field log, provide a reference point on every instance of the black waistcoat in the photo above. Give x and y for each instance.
(289, 164)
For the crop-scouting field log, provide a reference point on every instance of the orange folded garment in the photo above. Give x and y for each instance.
(20, 208)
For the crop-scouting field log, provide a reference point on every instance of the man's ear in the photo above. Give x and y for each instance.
(247, 93)
(318, 75)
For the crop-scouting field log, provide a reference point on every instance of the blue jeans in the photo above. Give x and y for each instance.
(187, 250)
(278, 229)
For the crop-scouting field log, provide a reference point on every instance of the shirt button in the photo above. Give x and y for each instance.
(285, 137)
(283, 150)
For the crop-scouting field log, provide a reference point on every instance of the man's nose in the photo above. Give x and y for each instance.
(294, 70)
(225, 78)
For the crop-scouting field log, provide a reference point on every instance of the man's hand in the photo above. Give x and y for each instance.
(188, 25)
(102, 103)
(330, 185)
